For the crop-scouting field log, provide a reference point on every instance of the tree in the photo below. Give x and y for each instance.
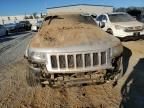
(30, 17)
(26, 17)
(8, 18)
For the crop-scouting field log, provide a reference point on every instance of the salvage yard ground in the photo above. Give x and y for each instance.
(15, 93)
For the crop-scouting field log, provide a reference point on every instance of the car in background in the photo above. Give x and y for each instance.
(90, 15)
(3, 30)
(141, 18)
(121, 25)
(72, 50)
(36, 26)
(24, 25)
(11, 27)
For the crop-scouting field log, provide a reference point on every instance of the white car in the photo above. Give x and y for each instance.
(36, 26)
(3, 30)
(121, 25)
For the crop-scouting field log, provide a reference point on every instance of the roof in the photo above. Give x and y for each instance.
(78, 5)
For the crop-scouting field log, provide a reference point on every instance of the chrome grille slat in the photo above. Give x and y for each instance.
(81, 60)
(75, 61)
(91, 55)
(58, 62)
(66, 61)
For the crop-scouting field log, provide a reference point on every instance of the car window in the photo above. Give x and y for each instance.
(100, 18)
(104, 17)
(120, 17)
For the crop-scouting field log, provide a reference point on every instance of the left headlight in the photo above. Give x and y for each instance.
(143, 27)
(117, 50)
(119, 27)
(38, 56)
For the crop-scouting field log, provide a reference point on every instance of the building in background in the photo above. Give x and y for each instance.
(15, 19)
(81, 8)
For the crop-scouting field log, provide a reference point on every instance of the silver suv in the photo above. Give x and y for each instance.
(70, 49)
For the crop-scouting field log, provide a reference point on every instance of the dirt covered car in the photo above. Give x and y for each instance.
(70, 49)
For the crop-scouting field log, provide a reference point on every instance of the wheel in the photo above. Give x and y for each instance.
(119, 67)
(110, 31)
(118, 70)
(115, 74)
(32, 77)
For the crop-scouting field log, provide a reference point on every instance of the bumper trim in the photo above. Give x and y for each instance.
(131, 38)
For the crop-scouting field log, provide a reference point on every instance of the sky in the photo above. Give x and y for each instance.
(21, 7)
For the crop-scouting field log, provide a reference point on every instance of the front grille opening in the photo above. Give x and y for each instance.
(70, 61)
(87, 60)
(103, 58)
(95, 59)
(54, 61)
(79, 60)
(62, 61)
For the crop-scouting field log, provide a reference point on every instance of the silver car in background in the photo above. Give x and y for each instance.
(3, 30)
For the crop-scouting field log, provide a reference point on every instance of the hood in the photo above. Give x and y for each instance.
(71, 32)
(129, 24)
(76, 39)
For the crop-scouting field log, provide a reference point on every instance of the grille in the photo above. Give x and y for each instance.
(137, 28)
(80, 60)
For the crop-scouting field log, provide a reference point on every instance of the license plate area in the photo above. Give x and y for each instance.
(136, 33)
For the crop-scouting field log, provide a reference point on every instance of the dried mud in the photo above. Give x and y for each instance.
(69, 31)
(15, 92)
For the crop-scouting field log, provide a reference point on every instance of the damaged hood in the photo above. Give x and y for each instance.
(70, 34)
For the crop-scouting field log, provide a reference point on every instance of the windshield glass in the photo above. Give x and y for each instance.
(120, 18)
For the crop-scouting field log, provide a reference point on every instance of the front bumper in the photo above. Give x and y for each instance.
(123, 34)
(131, 38)
(34, 28)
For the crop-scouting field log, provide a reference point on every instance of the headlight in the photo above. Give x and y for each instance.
(117, 50)
(143, 27)
(119, 27)
(38, 56)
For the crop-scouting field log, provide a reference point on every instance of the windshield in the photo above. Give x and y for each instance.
(120, 18)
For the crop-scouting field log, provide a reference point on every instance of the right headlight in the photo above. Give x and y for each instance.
(38, 56)
(117, 50)
(119, 27)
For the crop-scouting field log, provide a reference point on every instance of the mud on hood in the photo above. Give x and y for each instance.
(66, 34)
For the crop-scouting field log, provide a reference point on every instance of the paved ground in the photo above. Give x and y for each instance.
(12, 47)
(15, 92)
